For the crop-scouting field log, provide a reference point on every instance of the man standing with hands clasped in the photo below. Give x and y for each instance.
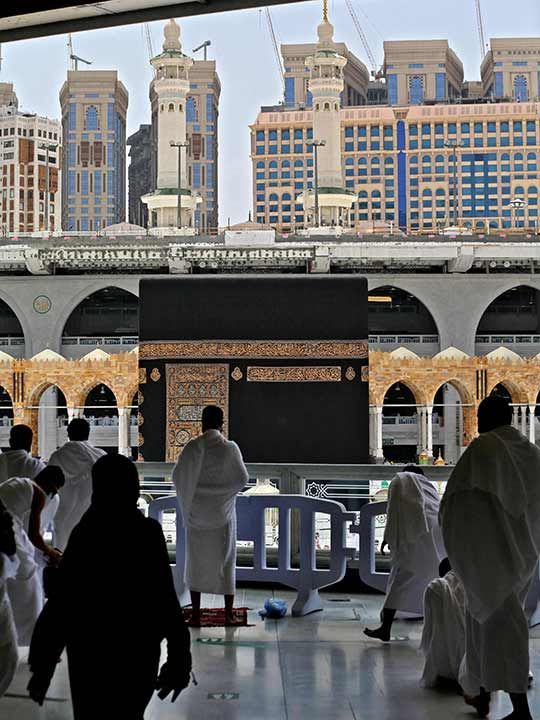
(208, 475)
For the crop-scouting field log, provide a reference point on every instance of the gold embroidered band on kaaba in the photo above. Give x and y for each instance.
(295, 373)
(254, 349)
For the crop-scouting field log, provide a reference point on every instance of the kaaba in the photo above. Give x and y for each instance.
(285, 357)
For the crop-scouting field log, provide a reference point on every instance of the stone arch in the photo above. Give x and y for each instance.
(517, 393)
(431, 326)
(478, 313)
(35, 393)
(78, 302)
(410, 384)
(20, 316)
(522, 315)
(465, 393)
(90, 385)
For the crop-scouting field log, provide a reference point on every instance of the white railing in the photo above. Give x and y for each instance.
(307, 579)
(100, 340)
(403, 339)
(508, 339)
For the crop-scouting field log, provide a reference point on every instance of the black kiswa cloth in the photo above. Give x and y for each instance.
(112, 604)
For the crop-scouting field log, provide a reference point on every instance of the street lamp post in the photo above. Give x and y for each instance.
(179, 144)
(47, 147)
(454, 145)
(316, 145)
(516, 204)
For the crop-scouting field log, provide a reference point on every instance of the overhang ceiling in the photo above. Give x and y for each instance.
(22, 19)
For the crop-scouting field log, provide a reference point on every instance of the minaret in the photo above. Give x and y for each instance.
(170, 87)
(326, 85)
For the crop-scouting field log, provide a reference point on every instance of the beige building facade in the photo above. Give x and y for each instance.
(94, 107)
(511, 69)
(30, 152)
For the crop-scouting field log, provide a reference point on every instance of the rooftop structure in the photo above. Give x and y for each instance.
(94, 107)
(510, 69)
(421, 70)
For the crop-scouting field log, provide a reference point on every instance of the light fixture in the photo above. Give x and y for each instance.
(379, 299)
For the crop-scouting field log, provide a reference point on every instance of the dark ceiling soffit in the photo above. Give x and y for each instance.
(108, 19)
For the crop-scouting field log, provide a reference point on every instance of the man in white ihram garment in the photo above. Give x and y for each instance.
(412, 532)
(25, 500)
(17, 461)
(490, 518)
(209, 474)
(9, 564)
(76, 458)
(443, 636)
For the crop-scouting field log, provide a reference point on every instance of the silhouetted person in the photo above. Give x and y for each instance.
(76, 458)
(18, 461)
(112, 604)
(412, 532)
(490, 518)
(8, 636)
(209, 474)
(27, 501)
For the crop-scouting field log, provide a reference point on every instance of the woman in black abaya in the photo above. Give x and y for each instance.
(111, 605)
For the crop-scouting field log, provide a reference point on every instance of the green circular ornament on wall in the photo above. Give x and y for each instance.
(42, 304)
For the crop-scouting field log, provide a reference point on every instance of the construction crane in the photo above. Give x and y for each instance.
(75, 59)
(276, 48)
(481, 33)
(363, 37)
(204, 46)
(149, 44)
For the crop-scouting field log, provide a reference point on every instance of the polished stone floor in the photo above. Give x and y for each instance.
(320, 667)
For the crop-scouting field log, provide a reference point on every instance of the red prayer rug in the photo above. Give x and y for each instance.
(215, 617)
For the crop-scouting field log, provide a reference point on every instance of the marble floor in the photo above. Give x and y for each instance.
(320, 667)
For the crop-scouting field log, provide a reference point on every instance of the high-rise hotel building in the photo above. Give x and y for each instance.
(430, 157)
(94, 107)
(30, 148)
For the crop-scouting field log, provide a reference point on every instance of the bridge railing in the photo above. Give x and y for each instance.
(306, 579)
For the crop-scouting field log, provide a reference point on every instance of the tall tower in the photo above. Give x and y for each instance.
(169, 88)
(94, 107)
(326, 85)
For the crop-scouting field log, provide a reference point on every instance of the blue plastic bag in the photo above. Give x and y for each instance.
(274, 609)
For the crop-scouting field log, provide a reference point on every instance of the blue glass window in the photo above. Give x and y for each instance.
(298, 134)
(465, 127)
(191, 112)
(91, 119)
(375, 145)
(298, 148)
(272, 135)
(362, 145)
(349, 146)
(518, 126)
(426, 129)
(259, 150)
(416, 90)
(84, 182)
(452, 128)
(413, 130)
(289, 91)
(388, 131)
(478, 127)
(491, 127)
(285, 135)
(440, 86)
(349, 131)
(272, 149)
(375, 131)
(521, 90)
(72, 117)
(499, 88)
(259, 135)
(362, 131)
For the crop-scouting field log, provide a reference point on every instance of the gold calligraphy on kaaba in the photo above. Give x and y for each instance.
(142, 375)
(254, 349)
(295, 373)
(190, 387)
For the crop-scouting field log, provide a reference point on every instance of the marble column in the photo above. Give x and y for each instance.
(524, 420)
(532, 423)
(420, 428)
(429, 428)
(379, 454)
(124, 447)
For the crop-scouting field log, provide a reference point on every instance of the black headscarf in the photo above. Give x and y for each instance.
(115, 486)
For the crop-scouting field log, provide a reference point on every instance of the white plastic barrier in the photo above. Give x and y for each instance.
(307, 580)
(366, 555)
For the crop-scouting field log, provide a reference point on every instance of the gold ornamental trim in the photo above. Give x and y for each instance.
(350, 374)
(254, 349)
(155, 375)
(331, 373)
(365, 374)
(237, 374)
(142, 376)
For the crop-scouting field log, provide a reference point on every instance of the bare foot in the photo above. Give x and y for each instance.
(480, 703)
(379, 634)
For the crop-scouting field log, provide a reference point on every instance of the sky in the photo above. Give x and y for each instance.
(242, 48)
